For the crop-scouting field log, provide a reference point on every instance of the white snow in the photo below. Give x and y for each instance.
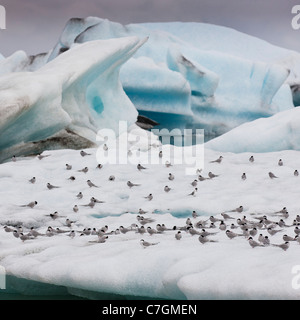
(173, 269)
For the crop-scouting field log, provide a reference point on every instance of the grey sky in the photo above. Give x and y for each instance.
(35, 25)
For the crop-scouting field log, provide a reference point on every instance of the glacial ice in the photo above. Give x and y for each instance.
(196, 75)
(65, 102)
(19, 62)
(242, 78)
(277, 133)
(161, 89)
(203, 82)
(13, 63)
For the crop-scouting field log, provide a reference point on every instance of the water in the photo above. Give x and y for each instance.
(23, 289)
(17, 296)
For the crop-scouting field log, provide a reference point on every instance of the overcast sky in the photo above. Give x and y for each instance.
(35, 25)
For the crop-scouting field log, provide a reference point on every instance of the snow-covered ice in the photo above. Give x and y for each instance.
(172, 269)
(277, 133)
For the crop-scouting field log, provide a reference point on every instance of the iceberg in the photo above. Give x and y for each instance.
(189, 75)
(277, 133)
(162, 90)
(65, 102)
(19, 61)
(14, 63)
(224, 78)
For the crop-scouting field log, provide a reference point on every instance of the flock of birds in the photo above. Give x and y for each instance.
(204, 229)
